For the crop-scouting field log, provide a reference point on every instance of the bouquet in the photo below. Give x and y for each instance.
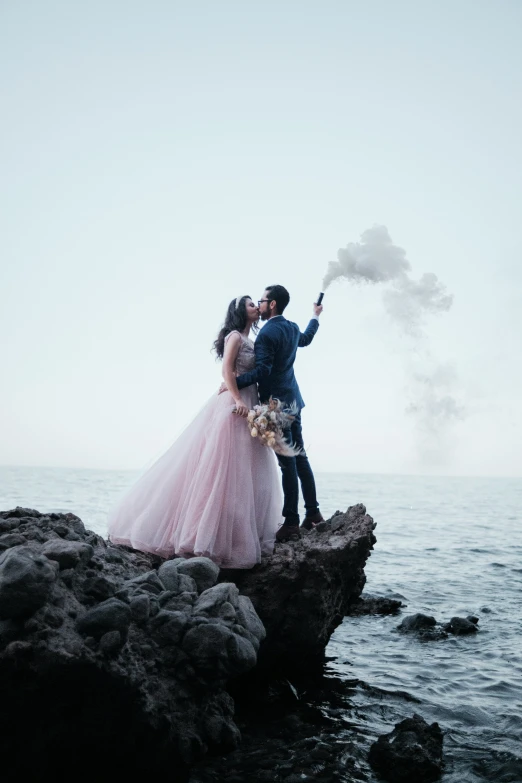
(267, 422)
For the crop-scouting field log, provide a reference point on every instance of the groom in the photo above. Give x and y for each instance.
(275, 349)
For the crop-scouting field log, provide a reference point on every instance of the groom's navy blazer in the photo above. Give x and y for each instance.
(275, 349)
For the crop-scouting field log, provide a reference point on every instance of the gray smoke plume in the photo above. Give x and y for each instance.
(436, 410)
(376, 260)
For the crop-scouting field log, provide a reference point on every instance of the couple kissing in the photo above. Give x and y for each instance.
(217, 491)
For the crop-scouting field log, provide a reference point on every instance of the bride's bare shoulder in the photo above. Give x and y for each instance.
(233, 337)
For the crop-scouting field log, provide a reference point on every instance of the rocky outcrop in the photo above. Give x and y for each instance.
(112, 654)
(303, 591)
(374, 605)
(411, 753)
(429, 630)
(114, 651)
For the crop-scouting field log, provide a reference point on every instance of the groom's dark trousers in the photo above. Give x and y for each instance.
(294, 468)
(275, 349)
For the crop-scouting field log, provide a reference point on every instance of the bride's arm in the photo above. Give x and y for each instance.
(232, 346)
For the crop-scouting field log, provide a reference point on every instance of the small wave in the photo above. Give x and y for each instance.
(502, 767)
(404, 695)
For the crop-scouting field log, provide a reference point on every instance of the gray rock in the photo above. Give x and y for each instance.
(302, 592)
(417, 622)
(219, 727)
(371, 604)
(241, 654)
(26, 580)
(241, 631)
(461, 626)
(140, 608)
(67, 553)
(12, 539)
(411, 753)
(227, 613)
(149, 582)
(111, 615)
(208, 648)
(110, 642)
(249, 619)
(113, 556)
(20, 512)
(99, 587)
(75, 524)
(8, 524)
(168, 573)
(202, 570)
(211, 600)
(187, 584)
(180, 602)
(168, 627)
(159, 683)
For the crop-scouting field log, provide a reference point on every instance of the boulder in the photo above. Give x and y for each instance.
(67, 553)
(411, 753)
(142, 652)
(462, 626)
(372, 604)
(428, 629)
(304, 590)
(101, 650)
(109, 615)
(26, 579)
(202, 570)
(417, 622)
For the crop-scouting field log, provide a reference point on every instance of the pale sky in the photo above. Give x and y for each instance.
(160, 158)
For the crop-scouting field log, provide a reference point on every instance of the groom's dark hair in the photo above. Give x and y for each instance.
(281, 296)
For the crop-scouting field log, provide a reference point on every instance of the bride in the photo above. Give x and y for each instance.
(216, 492)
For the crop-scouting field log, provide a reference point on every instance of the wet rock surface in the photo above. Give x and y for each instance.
(371, 604)
(411, 753)
(291, 734)
(428, 629)
(315, 579)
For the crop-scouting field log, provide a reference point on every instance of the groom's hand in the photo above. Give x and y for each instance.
(318, 309)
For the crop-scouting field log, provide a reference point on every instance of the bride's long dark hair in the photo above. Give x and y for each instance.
(235, 319)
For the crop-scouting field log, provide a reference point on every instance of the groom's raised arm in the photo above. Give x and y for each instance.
(264, 349)
(306, 337)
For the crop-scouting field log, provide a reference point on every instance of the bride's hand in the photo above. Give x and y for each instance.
(241, 409)
(222, 388)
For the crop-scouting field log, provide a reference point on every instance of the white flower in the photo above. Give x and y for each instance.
(253, 432)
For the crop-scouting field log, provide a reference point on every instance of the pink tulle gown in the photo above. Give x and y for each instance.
(216, 492)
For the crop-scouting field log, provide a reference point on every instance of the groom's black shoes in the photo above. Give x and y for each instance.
(287, 532)
(310, 521)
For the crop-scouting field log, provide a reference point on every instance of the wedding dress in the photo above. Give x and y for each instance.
(216, 492)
